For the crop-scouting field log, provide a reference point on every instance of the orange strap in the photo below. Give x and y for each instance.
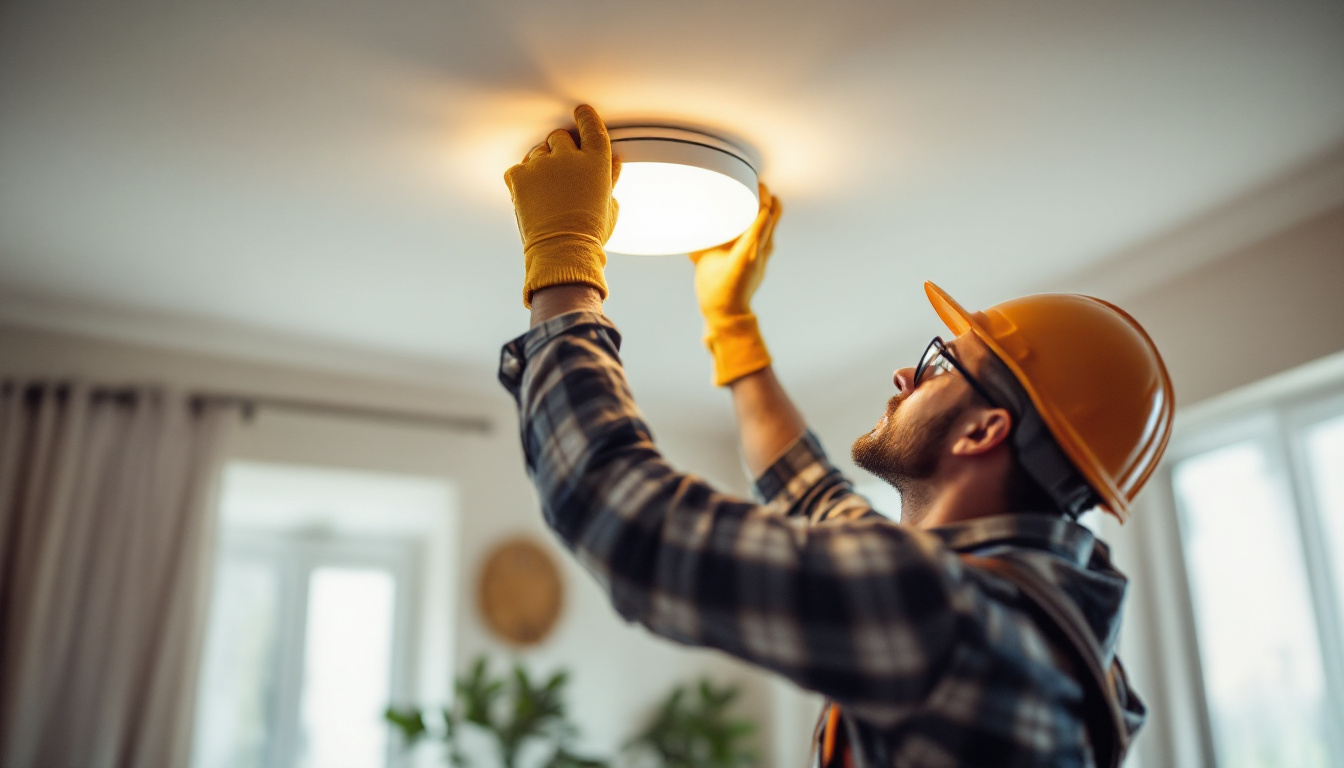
(828, 734)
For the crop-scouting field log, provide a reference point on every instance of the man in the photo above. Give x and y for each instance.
(1039, 409)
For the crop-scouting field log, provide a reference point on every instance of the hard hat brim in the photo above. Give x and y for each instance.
(953, 315)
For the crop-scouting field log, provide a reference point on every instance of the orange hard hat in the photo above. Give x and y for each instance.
(1093, 374)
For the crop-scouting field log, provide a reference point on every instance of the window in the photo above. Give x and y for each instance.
(299, 660)
(319, 604)
(1260, 502)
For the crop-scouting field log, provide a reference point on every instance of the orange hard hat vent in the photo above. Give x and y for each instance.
(1093, 374)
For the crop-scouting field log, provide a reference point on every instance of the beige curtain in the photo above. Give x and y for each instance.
(106, 537)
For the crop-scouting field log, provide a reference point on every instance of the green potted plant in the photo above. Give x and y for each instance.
(513, 710)
(693, 729)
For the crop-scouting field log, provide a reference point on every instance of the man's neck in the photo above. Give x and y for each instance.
(953, 502)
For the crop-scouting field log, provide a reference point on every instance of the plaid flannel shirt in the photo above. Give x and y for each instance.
(933, 663)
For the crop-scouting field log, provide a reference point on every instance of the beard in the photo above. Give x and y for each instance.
(904, 454)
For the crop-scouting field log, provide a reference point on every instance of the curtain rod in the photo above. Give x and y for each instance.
(249, 404)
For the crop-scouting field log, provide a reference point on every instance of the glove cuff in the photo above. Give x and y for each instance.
(564, 260)
(737, 346)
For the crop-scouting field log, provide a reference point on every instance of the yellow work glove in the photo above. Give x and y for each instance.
(562, 200)
(726, 276)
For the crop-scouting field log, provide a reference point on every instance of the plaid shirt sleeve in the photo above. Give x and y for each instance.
(812, 584)
(802, 483)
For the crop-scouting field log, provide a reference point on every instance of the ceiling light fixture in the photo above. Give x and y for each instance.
(680, 191)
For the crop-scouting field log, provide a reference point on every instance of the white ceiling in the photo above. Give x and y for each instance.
(329, 173)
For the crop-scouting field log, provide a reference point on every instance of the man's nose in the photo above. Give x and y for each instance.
(904, 379)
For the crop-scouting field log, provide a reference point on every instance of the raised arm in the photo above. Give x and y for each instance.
(726, 276)
(858, 609)
(767, 421)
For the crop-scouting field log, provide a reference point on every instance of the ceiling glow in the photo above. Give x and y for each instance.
(679, 191)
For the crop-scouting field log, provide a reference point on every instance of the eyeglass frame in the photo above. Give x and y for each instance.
(945, 352)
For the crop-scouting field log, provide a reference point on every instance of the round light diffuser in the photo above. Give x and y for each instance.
(679, 190)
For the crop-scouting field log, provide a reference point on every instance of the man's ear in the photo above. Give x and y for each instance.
(985, 430)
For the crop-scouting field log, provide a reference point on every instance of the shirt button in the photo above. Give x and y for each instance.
(510, 365)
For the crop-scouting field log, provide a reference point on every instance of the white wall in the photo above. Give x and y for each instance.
(1261, 310)
(619, 671)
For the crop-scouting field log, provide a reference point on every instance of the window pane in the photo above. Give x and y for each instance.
(1257, 634)
(236, 700)
(1325, 455)
(347, 668)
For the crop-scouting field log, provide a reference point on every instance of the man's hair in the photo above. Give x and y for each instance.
(1023, 493)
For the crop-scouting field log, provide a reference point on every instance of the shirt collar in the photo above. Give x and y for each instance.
(1035, 531)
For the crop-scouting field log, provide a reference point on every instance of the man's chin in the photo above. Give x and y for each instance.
(868, 454)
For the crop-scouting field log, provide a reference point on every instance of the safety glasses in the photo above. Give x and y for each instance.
(938, 358)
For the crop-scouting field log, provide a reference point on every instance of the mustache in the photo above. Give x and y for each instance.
(887, 415)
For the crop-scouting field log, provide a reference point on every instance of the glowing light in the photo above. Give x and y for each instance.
(679, 191)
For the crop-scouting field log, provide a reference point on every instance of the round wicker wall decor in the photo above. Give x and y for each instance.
(520, 592)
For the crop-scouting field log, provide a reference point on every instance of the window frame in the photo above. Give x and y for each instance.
(1278, 425)
(1328, 604)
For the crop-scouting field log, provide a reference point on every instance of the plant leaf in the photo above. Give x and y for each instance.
(411, 723)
